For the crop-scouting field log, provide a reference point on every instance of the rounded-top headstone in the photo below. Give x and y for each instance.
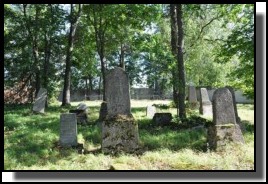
(82, 106)
(192, 94)
(223, 109)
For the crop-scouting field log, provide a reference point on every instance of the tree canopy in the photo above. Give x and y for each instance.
(47, 44)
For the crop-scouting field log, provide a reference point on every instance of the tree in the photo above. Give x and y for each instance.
(239, 48)
(174, 42)
(34, 37)
(181, 88)
(74, 19)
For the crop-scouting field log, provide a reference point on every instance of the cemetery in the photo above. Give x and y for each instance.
(147, 106)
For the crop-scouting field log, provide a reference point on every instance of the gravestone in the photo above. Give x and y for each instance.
(238, 120)
(103, 111)
(162, 119)
(224, 128)
(82, 106)
(68, 130)
(40, 101)
(119, 129)
(81, 113)
(117, 92)
(205, 104)
(150, 111)
(192, 99)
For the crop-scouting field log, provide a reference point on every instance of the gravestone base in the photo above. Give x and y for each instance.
(119, 134)
(220, 135)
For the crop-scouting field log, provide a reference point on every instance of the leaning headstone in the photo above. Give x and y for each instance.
(40, 101)
(82, 106)
(162, 119)
(224, 128)
(192, 99)
(150, 111)
(81, 113)
(238, 120)
(205, 103)
(68, 130)
(119, 129)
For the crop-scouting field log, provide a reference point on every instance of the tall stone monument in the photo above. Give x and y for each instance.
(224, 128)
(192, 98)
(119, 129)
(205, 103)
(238, 120)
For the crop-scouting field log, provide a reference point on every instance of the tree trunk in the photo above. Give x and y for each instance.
(99, 28)
(103, 75)
(87, 88)
(100, 86)
(33, 35)
(90, 84)
(174, 42)
(46, 63)
(122, 62)
(67, 78)
(37, 72)
(182, 112)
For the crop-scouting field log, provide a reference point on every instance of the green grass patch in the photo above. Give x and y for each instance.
(31, 142)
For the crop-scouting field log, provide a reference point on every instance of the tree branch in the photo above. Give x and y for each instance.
(202, 29)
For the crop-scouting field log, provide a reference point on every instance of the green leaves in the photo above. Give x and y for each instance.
(240, 44)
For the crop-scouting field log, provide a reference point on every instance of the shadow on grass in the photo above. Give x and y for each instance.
(31, 137)
(157, 137)
(135, 110)
(248, 126)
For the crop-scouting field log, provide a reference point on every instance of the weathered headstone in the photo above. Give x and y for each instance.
(162, 119)
(117, 92)
(40, 101)
(224, 128)
(68, 130)
(192, 99)
(205, 104)
(119, 129)
(103, 111)
(81, 113)
(150, 111)
(82, 106)
(238, 120)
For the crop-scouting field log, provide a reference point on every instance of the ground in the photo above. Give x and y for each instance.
(31, 143)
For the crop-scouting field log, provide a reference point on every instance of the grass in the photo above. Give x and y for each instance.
(31, 143)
